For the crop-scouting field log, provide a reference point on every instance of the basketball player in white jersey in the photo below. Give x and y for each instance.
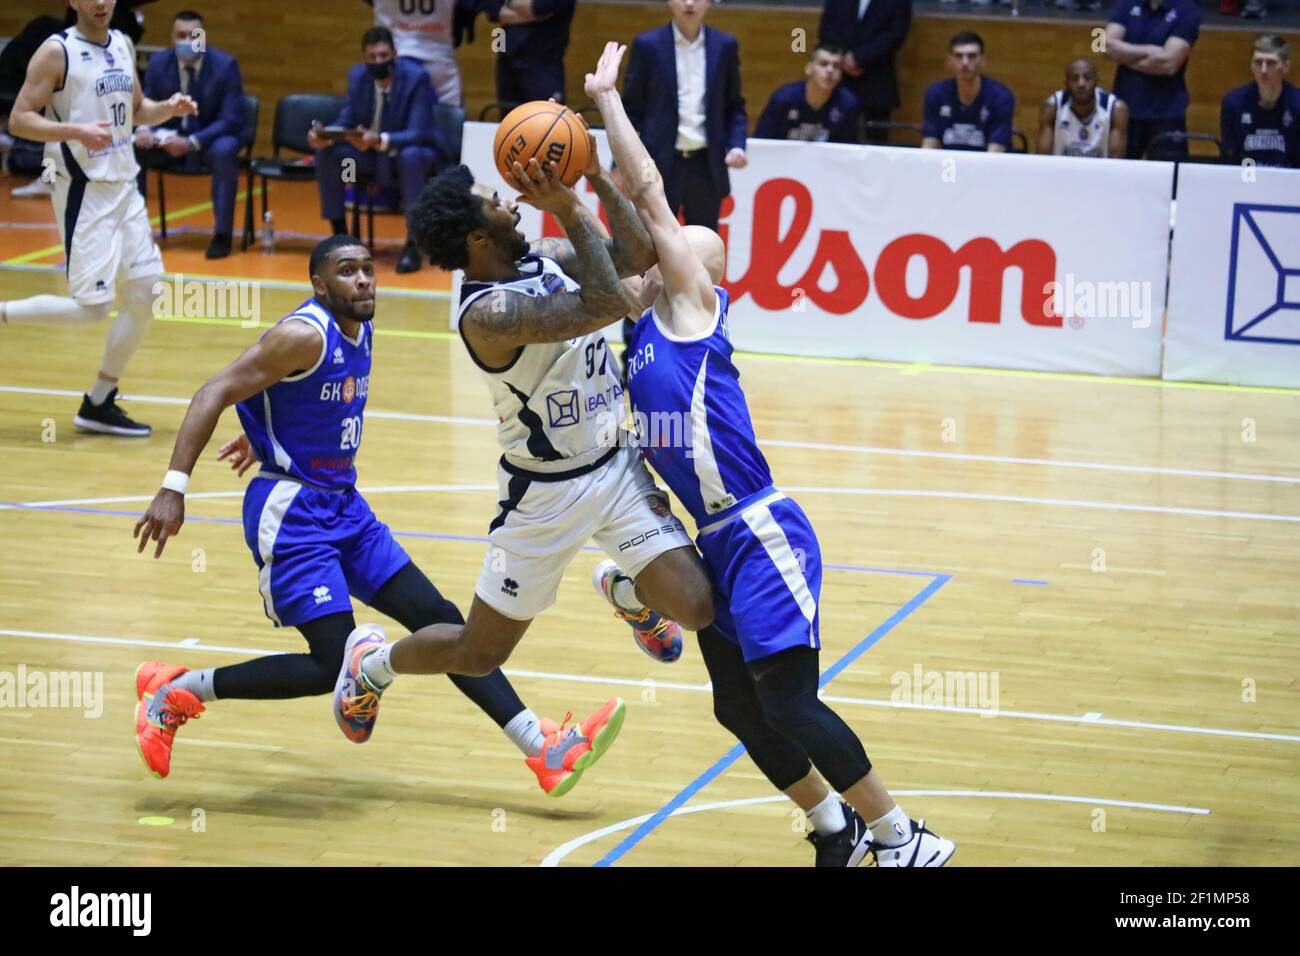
(422, 30)
(530, 316)
(82, 98)
(1082, 119)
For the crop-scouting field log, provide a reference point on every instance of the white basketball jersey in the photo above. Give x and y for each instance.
(99, 84)
(559, 404)
(1083, 137)
(421, 28)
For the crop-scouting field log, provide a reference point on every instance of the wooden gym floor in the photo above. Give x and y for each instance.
(1120, 558)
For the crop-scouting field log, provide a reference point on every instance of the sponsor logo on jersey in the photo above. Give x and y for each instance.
(562, 408)
(345, 390)
(658, 503)
(331, 464)
(611, 396)
(338, 355)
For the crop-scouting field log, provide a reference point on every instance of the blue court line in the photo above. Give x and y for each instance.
(1027, 581)
(732, 755)
(424, 535)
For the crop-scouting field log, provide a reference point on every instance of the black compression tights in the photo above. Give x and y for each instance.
(771, 706)
(410, 598)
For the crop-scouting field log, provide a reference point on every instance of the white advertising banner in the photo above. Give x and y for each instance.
(1031, 262)
(1234, 300)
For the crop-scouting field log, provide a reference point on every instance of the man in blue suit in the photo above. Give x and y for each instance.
(682, 93)
(391, 133)
(210, 139)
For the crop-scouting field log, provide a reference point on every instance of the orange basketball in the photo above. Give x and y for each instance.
(546, 131)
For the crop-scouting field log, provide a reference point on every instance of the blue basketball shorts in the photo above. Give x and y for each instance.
(315, 547)
(767, 576)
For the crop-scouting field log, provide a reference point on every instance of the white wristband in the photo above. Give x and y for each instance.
(176, 481)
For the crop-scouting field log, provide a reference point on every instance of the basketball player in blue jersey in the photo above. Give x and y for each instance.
(300, 392)
(762, 650)
(530, 317)
(81, 97)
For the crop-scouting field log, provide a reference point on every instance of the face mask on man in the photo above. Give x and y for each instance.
(380, 70)
(187, 50)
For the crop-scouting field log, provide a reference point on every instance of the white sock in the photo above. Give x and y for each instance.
(99, 391)
(893, 829)
(525, 732)
(376, 667)
(54, 308)
(198, 683)
(828, 816)
(623, 590)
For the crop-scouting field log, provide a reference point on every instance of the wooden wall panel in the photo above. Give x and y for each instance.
(299, 45)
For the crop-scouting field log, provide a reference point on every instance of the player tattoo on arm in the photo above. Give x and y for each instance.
(594, 267)
(631, 248)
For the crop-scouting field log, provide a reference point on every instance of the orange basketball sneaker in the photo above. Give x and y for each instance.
(160, 711)
(567, 752)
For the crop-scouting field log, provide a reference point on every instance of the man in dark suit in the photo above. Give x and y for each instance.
(682, 93)
(209, 140)
(531, 66)
(870, 32)
(391, 133)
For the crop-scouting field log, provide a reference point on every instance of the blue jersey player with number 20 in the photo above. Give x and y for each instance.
(762, 650)
(300, 392)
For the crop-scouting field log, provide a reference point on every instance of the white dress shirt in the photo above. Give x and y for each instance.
(690, 90)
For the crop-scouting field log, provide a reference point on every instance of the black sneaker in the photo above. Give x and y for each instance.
(108, 419)
(846, 848)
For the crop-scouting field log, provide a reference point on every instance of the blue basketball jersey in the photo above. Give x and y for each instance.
(692, 418)
(308, 426)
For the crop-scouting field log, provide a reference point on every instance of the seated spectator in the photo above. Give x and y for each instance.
(531, 67)
(817, 109)
(1261, 120)
(970, 112)
(1082, 119)
(211, 138)
(392, 136)
(1151, 40)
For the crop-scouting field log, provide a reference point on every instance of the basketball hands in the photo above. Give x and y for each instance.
(605, 78)
(164, 518)
(540, 187)
(240, 453)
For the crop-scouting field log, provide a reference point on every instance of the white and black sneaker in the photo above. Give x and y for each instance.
(108, 419)
(924, 849)
(845, 848)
